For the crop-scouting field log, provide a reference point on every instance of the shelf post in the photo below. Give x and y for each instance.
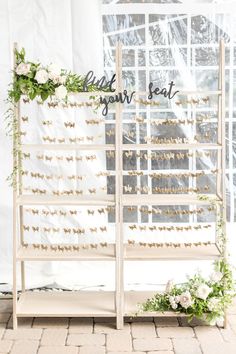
(15, 190)
(223, 150)
(119, 301)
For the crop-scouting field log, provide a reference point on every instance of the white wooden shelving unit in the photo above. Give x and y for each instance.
(117, 303)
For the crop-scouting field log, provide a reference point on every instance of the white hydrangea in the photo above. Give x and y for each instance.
(185, 299)
(41, 76)
(61, 92)
(203, 291)
(23, 69)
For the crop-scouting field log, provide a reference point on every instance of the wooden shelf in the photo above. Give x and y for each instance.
(39, 147)
(99, 254)
(131, 253)
(138, 253)
(64, 200)
(186, 92)
(66, 304)
(199, 146)
(164, 199)
(83, 304)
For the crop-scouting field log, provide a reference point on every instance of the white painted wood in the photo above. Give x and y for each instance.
(21, 213)
(139, 253)
(15, 188)
(91, 254)
(119, 192)
(66, 304)
(223, 151)
(163, 199)
(64, 200)
(71, 147)
(172, 146)
(182, 92)
(118, 303)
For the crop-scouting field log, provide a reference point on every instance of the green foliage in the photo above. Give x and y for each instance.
(209, 309)
(26, 85)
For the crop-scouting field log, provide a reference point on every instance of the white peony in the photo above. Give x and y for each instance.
(41, 76)
(212, 303)
(54, 70)
(185, 299)
(169, 286)
(216, 276)
(23, 69)
(62, 79)
(203, 291)
(60, 92)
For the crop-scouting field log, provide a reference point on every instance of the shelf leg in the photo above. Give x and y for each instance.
(119, 321)
(22, 263)
(225, 324)
(14, 318)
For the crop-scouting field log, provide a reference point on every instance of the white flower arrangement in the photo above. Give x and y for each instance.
(206, 299)
(35, 80)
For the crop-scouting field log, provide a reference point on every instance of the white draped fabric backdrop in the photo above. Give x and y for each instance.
(68, 33)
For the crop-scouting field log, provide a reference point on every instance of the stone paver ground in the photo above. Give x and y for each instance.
(99, 336)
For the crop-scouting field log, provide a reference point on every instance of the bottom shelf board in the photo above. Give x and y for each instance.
(66, 304)
(137, 252)
(83, 304)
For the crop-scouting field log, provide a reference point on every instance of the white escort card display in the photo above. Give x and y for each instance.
(120, 182)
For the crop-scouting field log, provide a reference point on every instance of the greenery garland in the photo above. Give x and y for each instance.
(35, 81)
(206, 299)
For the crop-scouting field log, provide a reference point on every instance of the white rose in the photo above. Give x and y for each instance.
(177, 298)
(203, 291)
(185, 299)
(172, 302)
(62, 79)
(173, 305)
(41, 76)
(169, 286)
(60, 92)
(212, 303)
(216, 276)
(54, 70)
(23, 69)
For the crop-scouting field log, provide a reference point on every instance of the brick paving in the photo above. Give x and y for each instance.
(99, 336)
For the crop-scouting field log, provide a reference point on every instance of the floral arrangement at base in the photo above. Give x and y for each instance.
(206, 299)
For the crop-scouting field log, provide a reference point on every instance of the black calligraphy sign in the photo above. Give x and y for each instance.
(105, 85)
